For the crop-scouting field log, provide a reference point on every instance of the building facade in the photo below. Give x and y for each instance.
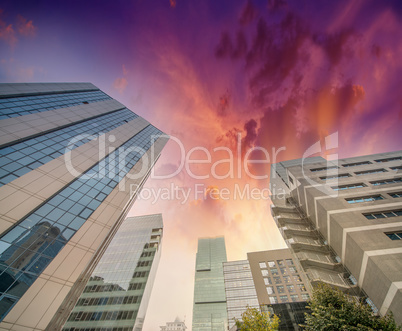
(271, 281)
(209, 309)
(72, 162)
(239, 288)
(177, 325)
(343, 221)
(117, 294)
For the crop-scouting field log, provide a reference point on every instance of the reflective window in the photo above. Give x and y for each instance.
(263, 265)
(27, 249)
(21, 158)
(24, 105)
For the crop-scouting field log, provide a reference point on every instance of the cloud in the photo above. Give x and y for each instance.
(248, 13)
(224, 101)
(251, 134)
(7, 32)
(120, 83)
(25, 27)
(336, 44)
(172, 3)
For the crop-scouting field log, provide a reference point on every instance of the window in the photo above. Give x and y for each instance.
(294, 297)
(267, 281)
(291, 180)
(396, 194)
(348, 186)
(273, 299)
(280, 289)
(277, 280)
(335, 176)
(284, 271)
(284, 298)
(297, 278)
(367, 172)
(352, 280)
(389, 159)
(293, 270)
(280, 262)
(356, 164)
(271, 264)
(270, 289)
(365, 199)
(286, 279)
(264, 272)
(289, 261)
(387, 181)
(301, 287)
(291, 288)
(305, 296)
(263, 265)
(274, 271)
(394, 235)
(323, 168)
(396, 168)
(383, 214)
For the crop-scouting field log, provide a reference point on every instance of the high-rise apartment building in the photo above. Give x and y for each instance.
(209, 310)
(117, 294)
(270, 281)
(72, 161)
(343, 221)
(177, 325)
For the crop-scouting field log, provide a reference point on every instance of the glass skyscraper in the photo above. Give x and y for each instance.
(117, 293)
(209, 310)
(72, 162)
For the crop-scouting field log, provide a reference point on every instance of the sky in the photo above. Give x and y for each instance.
(229, 81)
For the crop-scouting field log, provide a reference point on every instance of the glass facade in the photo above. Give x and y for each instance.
(240, 289)
(22, 157)
(25, 105)
(63, 215)
(115, 291)
(51, 212)
(210, 310)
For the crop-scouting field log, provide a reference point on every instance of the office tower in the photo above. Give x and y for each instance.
(117, 294)
(343, 221)
(72, 161)
(270, 281)
(177, 325)
(209, 310)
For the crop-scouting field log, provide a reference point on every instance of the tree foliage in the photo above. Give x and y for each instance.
(254, 320)
(333, 310)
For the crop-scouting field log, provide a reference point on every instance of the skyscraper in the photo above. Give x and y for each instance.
(270, 281)
(209, 310)
(72, 162)
(117, 294)
(343, 221)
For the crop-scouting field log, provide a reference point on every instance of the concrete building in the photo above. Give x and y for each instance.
(117, 294)
(271, 281)
(209, 309)
(72, 162)
(343, 221)
(177, 325)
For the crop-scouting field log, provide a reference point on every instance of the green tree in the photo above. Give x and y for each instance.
(254, 320)
(333, 310)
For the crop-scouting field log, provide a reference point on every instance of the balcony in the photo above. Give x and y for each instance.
(318, 259)
(333, 278)
(286, 208)
(300, 243)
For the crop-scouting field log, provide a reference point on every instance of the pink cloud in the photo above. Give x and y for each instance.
(25, 27)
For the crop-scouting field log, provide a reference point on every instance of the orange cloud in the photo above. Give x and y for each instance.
(121, 83)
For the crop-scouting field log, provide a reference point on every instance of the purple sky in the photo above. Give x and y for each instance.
(280, 73)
